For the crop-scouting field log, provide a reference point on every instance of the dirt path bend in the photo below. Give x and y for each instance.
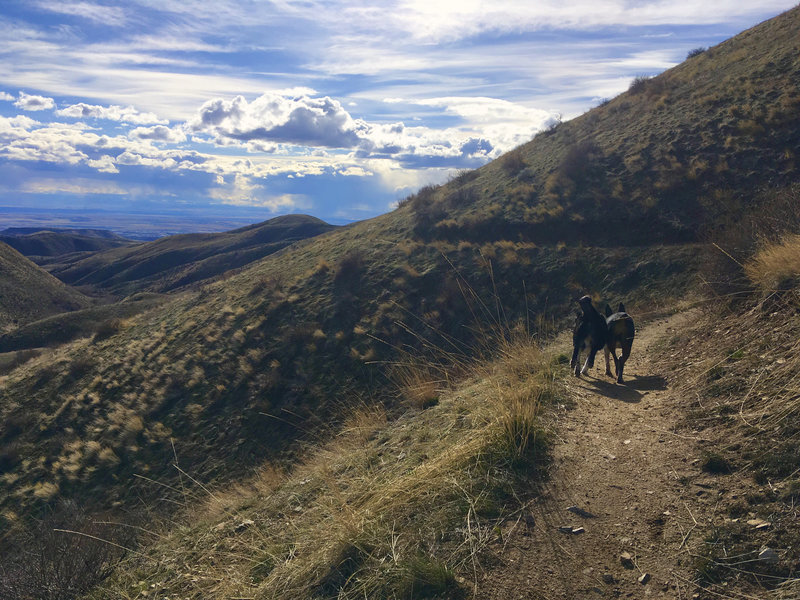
(636, 485)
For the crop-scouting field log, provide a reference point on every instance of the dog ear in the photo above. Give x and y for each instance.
(608, 311)
(621, 307)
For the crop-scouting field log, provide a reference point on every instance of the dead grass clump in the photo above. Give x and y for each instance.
(776, 266)
(418, 386)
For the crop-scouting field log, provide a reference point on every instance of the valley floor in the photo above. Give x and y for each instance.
(629, 466)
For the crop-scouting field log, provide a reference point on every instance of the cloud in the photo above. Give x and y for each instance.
(279, 118)
(127, 114)
(31, 102)
(6, 96)
(243, 191)
(104, 164)
(113, 16)
(78, 185)
(159, 133)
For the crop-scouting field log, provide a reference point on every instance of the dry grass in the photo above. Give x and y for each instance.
(742, 369)
(776, 266)
(400, 509)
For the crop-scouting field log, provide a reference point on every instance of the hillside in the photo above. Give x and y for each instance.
(28, 293)
(672, 160)
(178, 260)
(252, 368)
(40, 244)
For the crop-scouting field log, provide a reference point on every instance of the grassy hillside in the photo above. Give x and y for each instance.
(246, 369)
(97, 321)
(28, 293)
(676, 157)
(175, 261)
(57, 243)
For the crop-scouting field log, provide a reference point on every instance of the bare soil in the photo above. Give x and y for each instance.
(635, 477)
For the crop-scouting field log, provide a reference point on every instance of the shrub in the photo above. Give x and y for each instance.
(349, 267)
(464, 176)
(695, 52)
(62, 557)
(513, 162)
(106, 329)
(638, 84)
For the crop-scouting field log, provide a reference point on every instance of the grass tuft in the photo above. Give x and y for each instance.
(776, 266)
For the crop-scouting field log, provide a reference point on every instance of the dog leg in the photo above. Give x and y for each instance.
(608, 368)
(626, 352)
(574, 362)
(586, 365)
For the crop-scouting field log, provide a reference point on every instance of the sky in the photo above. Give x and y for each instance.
(338, 109)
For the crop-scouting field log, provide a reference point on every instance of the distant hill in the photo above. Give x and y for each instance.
(28, 293)
(45, 243)
(178, 260)
(616, 203)
(83, 232)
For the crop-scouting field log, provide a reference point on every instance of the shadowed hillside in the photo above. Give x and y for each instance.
(225, 376)
(174, 261)
(42, 244)
(28, 293)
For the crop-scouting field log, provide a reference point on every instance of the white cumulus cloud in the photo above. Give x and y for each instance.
(279, 118)
(126, 114)
(159, 133)
(32, 102)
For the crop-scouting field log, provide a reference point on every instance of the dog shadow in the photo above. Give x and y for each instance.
(630, 392)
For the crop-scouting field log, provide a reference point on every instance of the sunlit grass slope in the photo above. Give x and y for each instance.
(386, 509)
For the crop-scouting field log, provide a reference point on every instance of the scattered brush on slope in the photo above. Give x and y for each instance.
(388, 510)
(748, 401)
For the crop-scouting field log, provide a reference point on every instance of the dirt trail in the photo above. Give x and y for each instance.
(620, 459)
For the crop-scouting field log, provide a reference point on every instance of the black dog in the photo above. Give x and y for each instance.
(590, 332)
(621, 332)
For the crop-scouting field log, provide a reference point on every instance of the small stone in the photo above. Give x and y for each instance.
(530, 520)
(578, 530)
(581, 512)
(608, 578)
(644, 578)
(243, 525)
(768, 555)
(759, 523)
(626, 559)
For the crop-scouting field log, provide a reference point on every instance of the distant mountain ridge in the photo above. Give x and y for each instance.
(174, 261)
(84, 232)
(42, 244)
